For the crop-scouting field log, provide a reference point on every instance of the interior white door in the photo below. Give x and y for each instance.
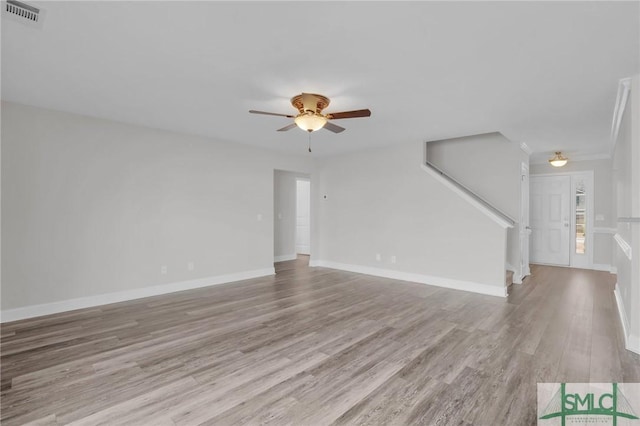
(303, 217)
(550, 219)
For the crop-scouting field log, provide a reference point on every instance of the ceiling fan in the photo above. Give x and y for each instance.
(310, 116)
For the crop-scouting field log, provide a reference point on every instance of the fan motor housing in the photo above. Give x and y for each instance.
(310, 102)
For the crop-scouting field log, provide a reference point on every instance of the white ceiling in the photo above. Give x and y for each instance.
(543, 73)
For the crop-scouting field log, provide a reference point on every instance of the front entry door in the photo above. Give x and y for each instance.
(550, 219)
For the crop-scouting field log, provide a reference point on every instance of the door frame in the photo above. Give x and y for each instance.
(303, 179)
(295, 176)
(525, 228)
(573, 263)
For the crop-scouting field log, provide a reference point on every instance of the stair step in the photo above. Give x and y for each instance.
(509, 278)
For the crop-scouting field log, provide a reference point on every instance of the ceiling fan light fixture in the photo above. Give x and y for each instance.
(558, 160)
(310, 122)
(310, 117)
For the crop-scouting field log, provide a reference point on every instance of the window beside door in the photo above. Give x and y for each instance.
(581, 217)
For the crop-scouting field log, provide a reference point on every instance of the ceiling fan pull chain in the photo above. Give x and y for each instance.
(309, 141)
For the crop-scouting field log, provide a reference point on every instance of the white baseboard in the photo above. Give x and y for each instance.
(631, 342)
(593, 267)
(285, 257)
(601, 267)
(123, 296)
(417, 278)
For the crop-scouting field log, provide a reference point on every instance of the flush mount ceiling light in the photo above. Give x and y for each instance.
(558, 160)
(310, 117)
(310, 121)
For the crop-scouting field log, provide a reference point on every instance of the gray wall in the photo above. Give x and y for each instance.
(381, 201)
(489, 165)
(603, 201)
(92, 206)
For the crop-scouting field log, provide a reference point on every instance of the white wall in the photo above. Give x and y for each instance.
(490, 166)
(381, 201)
(284, 242)
(626, 185)
(602, 199)
(92, 206)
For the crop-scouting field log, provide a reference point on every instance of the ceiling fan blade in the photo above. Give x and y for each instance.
(349, 114)
(289, 127)
(333, 128)
(271, 113)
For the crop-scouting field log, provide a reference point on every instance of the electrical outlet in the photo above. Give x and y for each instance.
(280, 216)
(378, 257)
(191, 266)
(393, 259)
(259, 217)
(163, 269)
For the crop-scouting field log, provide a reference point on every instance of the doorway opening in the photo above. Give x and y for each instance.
(525, 229)
(562, 219)
(292, 217)
(303, 216)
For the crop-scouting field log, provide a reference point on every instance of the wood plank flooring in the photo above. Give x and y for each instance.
(315, 346)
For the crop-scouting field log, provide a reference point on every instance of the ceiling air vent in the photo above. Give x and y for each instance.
(22, 12)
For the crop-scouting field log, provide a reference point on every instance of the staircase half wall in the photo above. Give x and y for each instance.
(490, 166)
(380, 204)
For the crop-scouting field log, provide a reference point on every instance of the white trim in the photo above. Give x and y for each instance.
(631, 342)
(499, 291)
(468, 198)
(590, 157)
(594, 267)
(123, 296)
(285, 257)
(624, 246)
(537, 160)
(565, 173)
(624, 87)
(525, 148)
(604, 230)
(525, 222)
(601, 267)
(621, 312)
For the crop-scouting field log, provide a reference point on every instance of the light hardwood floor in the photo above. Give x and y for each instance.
(316, 346)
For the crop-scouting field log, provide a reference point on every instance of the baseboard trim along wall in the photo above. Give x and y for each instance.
(601, 267)
(123, 296)
(285, 257)
(631, 342)
(417, 278)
